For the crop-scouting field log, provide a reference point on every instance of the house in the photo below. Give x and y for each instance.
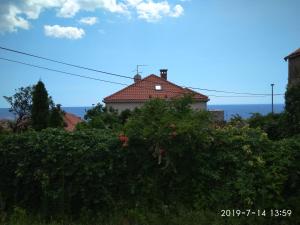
(152, 86)
(294, 68)
(71, 121)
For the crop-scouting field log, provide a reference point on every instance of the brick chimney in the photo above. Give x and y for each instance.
(164, 74)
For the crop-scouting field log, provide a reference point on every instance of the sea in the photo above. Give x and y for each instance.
(245, 110)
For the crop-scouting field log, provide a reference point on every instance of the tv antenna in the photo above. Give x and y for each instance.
(138, 67)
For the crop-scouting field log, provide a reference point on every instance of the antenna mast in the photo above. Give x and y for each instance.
(137, 68)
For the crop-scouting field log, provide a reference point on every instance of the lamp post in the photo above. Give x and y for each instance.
(272, 85)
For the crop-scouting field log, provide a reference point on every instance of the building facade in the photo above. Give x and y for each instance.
(294, 68)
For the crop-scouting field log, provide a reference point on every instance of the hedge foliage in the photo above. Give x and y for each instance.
(173, 164)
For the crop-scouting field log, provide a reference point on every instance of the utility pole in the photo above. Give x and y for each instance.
(272, 85)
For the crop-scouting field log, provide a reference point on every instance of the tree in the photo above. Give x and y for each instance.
(20, 104)
(292, 108)
(56, 117)
(101, 117)
(40, 106)
(272, 124)
(125, 115)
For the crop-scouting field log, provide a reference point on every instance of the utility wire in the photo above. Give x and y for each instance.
(107, 81)
(60, 71)
(123, 76)
(77, 75)
(64, 63)
(230, 92)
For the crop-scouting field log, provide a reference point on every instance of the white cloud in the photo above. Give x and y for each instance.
(10, 21)
(134, 2)
(57, 31)
(69, 9)
(17, 14)
(151, 11)
(88, 20)
(177, 11)
(154, 11)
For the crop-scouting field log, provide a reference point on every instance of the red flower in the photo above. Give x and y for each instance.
(123, 138)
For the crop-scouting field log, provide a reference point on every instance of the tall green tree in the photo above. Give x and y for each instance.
(292, 108)
(40, 107)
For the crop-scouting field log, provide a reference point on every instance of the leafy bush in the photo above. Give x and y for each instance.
(41, 169)
(170, 165)
(273, 124)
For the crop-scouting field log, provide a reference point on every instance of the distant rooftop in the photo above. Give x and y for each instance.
(293, 54)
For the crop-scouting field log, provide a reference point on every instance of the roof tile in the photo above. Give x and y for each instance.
(144, 89)
(71, 121)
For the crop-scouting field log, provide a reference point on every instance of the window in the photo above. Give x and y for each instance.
(158, 87)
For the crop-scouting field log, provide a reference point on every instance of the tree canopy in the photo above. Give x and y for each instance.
(40, 106)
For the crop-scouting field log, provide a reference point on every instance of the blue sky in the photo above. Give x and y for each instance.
(233, 45)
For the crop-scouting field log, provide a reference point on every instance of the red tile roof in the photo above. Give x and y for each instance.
(293, 54)
(71, 121)
(144, 89)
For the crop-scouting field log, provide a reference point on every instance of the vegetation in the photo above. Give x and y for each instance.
(292, 108)
(281, 125)
(33, 108)
(56, 117)
(166, 164)
(100, 117)
(21, 104)
(40, 107)
(272, 124)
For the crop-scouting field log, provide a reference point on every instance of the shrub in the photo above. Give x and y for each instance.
(167, 166)
(273, 124)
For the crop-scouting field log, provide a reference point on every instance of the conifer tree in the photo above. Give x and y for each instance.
(40, 107)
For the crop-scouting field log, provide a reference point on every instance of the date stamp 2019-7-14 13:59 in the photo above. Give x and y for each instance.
(256, 212)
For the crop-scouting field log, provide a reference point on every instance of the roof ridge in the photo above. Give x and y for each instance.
(123, 89)
(293, 54)
(170, 87)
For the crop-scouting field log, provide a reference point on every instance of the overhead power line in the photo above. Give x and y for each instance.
(64, 63)
(230, 92)
(124, 76)
(106, 81)
(60, 71)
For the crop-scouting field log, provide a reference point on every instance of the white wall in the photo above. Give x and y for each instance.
(121, 106)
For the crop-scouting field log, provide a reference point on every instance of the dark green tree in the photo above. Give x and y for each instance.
(125, 115)
(40, 107)
(272, 124)
(20, 105)
(292, 108)
(101, 117)
(56, 117)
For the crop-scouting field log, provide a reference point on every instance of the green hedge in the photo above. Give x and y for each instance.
(175, 166)
(54, 171)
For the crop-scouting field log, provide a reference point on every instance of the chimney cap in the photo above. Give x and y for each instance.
(164, 73)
